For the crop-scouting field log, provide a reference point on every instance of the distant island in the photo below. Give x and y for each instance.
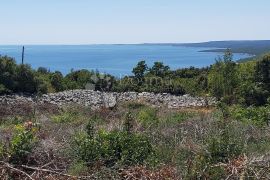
(256, 48)
(252, 47)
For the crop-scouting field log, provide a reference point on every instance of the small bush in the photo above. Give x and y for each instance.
(178, 117)
(129, 122)
(2, 151)
(135, 105)
(12, 121)
(259, 116)
(258, 145)
(86, 148)
(200, 168)
(4, 90)
(77, 168)
(220, 148)
(148, 117)
(135, 149)
(223, 148)
(65, 117)
(21, 143)
(112, 147)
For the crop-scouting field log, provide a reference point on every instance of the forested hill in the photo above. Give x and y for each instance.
(257, 47)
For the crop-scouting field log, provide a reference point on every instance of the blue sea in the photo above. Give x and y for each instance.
(114, 59)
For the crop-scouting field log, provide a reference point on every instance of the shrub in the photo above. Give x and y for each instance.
(43, 86)
(77, 168)
(178, 117)
(7, 73)
(26, 80)
(252, 94)
(262, 71)
(129, 122)
(56, 80)
(86, 148)
(226, 141)
(259, 116)
(135, 105)
(200, 168)
(2, 151)
(224, 147)
(259, 146)
(224, 144)
(21, 143)
(65, 117)
(3, 89)
(112, 147)
(135, 148)
(11, 121)
(148, 116)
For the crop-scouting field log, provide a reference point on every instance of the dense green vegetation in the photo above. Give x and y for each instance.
(16, 78)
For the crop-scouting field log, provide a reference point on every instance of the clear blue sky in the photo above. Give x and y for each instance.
(132, 21)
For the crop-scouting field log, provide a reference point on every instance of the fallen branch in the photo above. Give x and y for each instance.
(10, 166)
(15, 169)
(55, 172)
(48, 171)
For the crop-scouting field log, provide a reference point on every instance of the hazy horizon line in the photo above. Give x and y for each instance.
(144, 43)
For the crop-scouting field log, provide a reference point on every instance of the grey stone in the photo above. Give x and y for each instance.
(97, 99)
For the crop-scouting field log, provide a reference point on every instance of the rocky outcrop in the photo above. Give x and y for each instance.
(96, 99)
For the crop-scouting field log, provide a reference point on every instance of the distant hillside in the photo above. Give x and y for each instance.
(250, 47)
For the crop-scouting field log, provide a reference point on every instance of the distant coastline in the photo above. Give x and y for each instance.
(222, 50)
(252, 48)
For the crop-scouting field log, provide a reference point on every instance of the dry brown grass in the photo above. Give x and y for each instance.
(142, 172)
(50, 159)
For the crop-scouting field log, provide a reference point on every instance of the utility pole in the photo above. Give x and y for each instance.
(23, 55)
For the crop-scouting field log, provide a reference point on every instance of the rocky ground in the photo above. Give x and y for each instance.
(96, 99)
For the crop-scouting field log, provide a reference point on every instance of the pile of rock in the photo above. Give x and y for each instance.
(96, 99)
(168, 100)
(16, 99)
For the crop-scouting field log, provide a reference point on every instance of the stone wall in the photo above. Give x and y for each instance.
(96, 99)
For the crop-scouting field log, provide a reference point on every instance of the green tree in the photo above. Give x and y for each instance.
(56, 80)
(248, 91)
(78, 79)
(222, 79)
(262, 72)
(259, 92)
(159, 69)
(229, 72)
(7, 74)
(25, 79)
(139, 71)
(104, 82)
(43, 70)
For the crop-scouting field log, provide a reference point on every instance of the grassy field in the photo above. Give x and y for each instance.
(131, 141)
